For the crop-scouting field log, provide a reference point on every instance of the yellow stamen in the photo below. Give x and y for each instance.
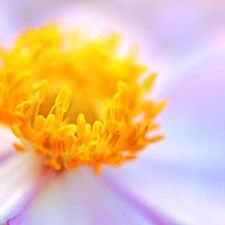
(76, 99)
(19, 147)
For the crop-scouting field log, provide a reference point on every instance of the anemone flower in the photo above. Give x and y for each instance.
(74, 101)
(179, 180)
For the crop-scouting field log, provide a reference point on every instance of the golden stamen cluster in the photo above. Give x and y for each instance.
(76, 99)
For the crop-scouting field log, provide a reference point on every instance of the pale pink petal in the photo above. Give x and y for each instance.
(79, 197)
(184, 176)
(21, 177)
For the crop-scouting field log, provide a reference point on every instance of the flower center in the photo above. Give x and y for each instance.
(75, 99)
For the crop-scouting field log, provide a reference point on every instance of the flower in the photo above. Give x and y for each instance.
(180, 179)
(76, 100)
(53, 91)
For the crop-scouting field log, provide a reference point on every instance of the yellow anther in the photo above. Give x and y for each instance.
(147, 85)
(67, 101)
(58, 114)
(43, 92)
(37, 87)
(50, 122)
(26, 106)
(97, 128)
(16, 130)
(107, 112)
(21, 116)
(103, 138)
(131, 136)
(39, 123)
(156, 138)
(87, 134)
(91, 148)
(19, 147)
(70, 129)
(142, 133)
(76, 101)
(80, 124)
(158, 108)
(61, 95)
(19, 107)
(70, 139)
(114, 139)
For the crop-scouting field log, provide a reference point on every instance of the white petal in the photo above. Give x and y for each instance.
(183, 176)
(194, 120)
(80, 197)
(21, 177)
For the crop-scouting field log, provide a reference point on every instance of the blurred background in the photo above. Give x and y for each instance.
(183, 41)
